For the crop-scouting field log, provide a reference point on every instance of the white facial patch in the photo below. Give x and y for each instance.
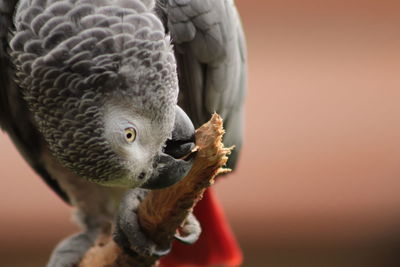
(136, 156)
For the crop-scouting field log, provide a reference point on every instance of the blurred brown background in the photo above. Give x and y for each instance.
(319, 178)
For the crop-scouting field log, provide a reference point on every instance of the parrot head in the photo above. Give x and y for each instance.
(127, 130)
(101, 83)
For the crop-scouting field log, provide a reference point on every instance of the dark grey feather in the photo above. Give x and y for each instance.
(13, 110)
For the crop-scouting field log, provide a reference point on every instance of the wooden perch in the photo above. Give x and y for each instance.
(163, 211)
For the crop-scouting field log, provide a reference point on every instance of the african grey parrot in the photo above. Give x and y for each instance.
(97, 96)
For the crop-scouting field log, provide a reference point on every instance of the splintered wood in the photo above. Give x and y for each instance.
(163, 211)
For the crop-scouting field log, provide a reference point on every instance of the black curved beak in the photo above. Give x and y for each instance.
(169, 165)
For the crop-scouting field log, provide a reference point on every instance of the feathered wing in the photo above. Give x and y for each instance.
(14, 115)
(210, 51)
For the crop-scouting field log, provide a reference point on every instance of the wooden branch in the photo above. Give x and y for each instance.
(163, 211)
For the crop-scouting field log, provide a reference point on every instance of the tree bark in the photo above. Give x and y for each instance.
(163, 211)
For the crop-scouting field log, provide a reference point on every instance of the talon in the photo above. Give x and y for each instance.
(161, 253)
(190, 232)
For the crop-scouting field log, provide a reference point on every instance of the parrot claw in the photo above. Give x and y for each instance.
(190, 232)
(128, 233)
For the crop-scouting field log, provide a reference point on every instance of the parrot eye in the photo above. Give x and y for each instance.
(130, 135)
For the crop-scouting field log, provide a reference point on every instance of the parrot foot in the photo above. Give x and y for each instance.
(128, 233)
(71, 250)
(131, 238)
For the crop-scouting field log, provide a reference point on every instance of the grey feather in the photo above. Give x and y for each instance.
(211, 56)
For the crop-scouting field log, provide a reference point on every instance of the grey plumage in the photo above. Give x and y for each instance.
(68, 66)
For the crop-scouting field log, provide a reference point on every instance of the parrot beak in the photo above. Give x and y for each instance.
(169, 167)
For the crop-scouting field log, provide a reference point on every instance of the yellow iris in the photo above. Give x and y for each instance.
(130, 135)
